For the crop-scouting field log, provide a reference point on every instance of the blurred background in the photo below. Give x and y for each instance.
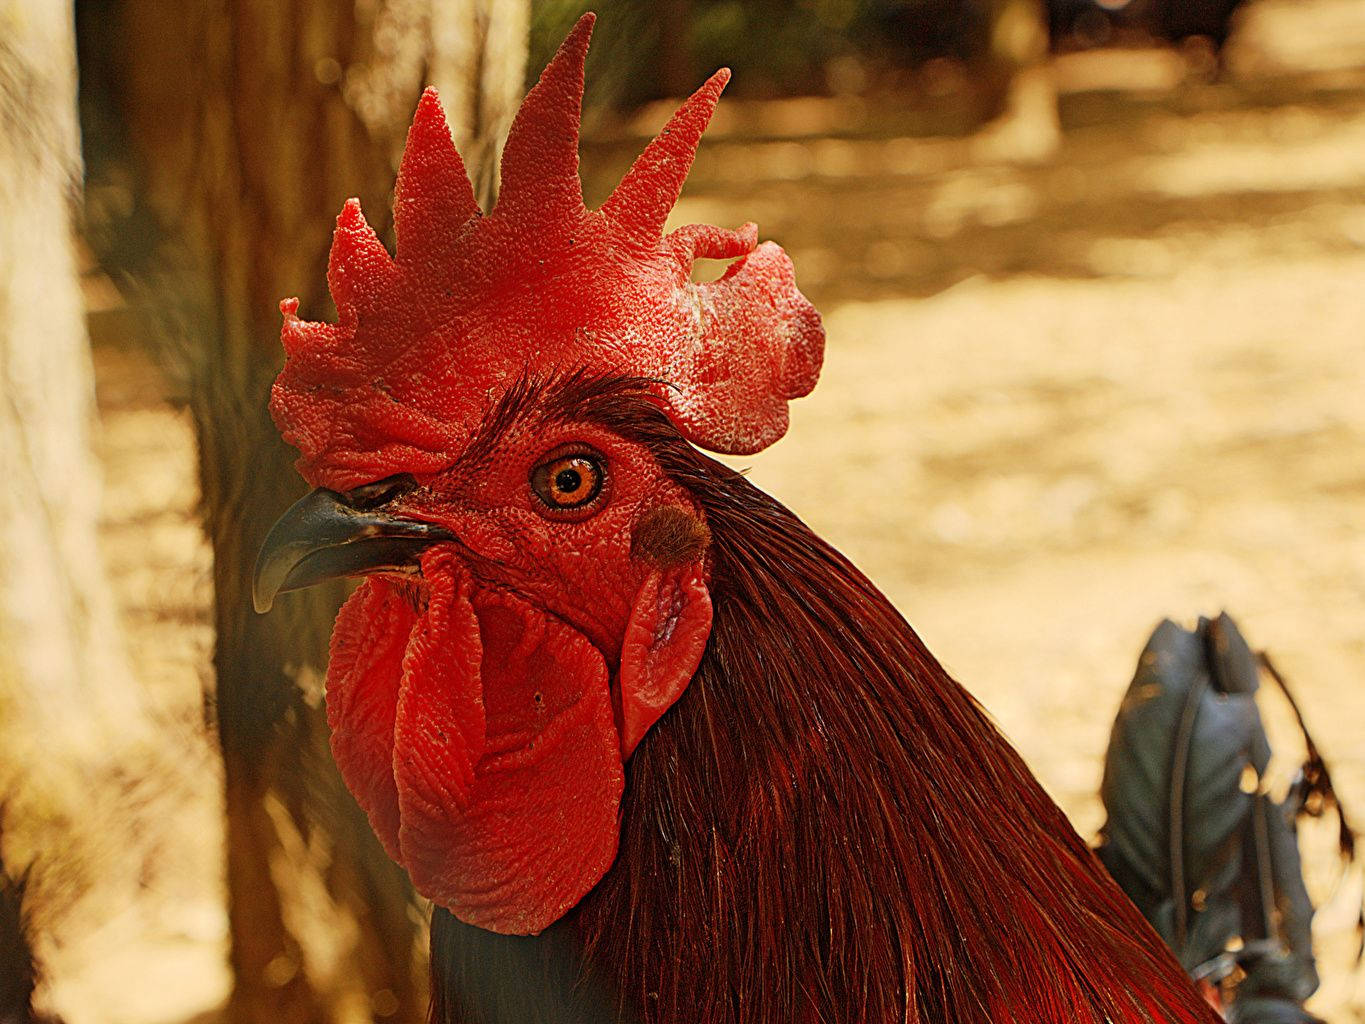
(1093, 274)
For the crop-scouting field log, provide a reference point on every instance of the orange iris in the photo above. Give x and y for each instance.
(570, 481)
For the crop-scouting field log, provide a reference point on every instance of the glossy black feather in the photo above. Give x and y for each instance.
(1173, 788)
(1209, 858)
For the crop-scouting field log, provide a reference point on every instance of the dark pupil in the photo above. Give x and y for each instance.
(568, 480)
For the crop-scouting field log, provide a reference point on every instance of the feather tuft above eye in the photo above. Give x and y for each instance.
(427, 338)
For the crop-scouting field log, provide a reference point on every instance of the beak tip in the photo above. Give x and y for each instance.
(265, 582)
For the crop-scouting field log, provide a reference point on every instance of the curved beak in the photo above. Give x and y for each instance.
(325, 535)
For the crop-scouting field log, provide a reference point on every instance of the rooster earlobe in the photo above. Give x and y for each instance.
(664, 643)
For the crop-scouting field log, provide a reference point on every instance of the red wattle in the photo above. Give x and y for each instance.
(478, 736)
(363, 677)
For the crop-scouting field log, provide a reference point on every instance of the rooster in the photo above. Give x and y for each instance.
(654, 751)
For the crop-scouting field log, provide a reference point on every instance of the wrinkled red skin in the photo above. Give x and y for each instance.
(473, 709)
(482, 713)
(498, 782)
(470, 302)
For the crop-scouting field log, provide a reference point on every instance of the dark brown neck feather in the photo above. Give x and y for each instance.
(825, 828)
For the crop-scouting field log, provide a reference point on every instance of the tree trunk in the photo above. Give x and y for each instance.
(478, 62)
(62, 674)
(72, 715)
(242, 140)
(1015, 67)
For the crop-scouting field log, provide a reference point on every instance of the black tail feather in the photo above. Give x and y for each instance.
(1212, 862)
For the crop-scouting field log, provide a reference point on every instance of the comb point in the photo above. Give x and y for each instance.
(358, 265)
(540, 160)
(641, 203)
(434, 197)
(298, 335)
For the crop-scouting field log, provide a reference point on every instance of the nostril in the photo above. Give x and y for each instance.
(381, 492)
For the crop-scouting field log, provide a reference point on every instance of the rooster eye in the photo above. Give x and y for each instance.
(569, 482)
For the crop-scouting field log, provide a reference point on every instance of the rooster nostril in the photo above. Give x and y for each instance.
(381, 492)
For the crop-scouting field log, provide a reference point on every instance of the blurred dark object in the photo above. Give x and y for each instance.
(18, 969)
(1002, 46)
(646, 50)
(1208, 856)
(915, 31)
(1101, 22)
(921, 30)
(994, 52)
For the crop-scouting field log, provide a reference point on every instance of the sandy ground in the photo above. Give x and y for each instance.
(1061, 401)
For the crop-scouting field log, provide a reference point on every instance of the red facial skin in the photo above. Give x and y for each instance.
(502, 806)
(482, 714)
(470, 301)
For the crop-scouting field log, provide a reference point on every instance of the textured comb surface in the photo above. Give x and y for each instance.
(425, 340)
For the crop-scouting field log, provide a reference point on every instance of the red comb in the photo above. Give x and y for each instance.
(426, 340)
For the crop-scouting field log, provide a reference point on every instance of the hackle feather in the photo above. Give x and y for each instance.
(825, 828)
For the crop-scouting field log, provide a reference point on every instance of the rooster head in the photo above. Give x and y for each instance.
(536, 593)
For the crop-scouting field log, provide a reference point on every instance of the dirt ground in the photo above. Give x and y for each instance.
(1061, 401)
